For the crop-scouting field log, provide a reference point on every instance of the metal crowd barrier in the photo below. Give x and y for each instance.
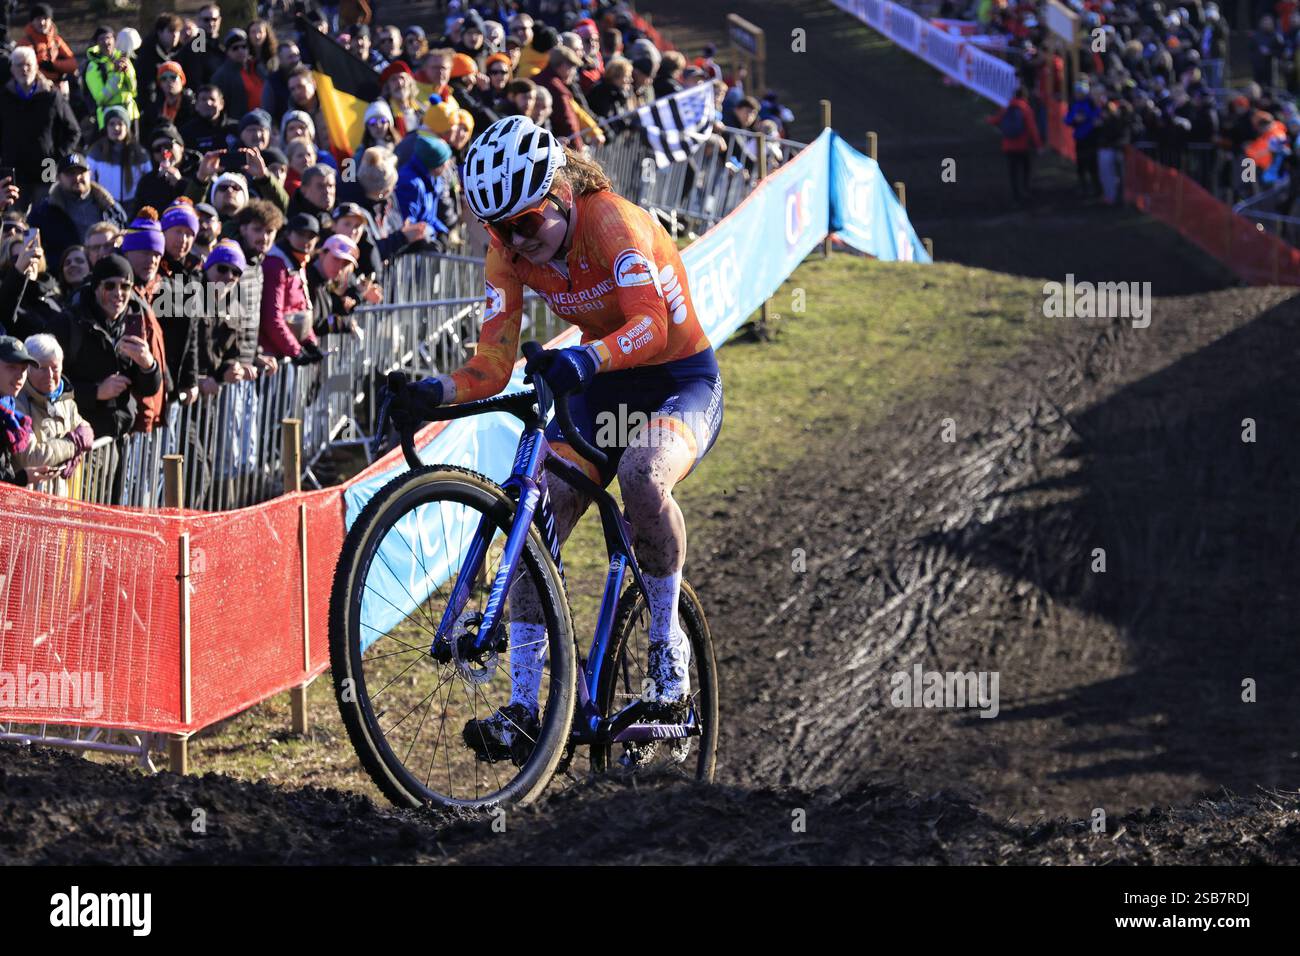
(428, 323)
(696, 194)
(230, 441)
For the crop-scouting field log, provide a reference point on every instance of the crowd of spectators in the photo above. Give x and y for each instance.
(176, 217)
(1155, 75)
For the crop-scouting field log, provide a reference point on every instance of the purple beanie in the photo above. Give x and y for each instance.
(226, 251)
(180, 214)
(144, 234)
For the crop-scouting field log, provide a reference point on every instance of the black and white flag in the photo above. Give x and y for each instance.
(676, 126)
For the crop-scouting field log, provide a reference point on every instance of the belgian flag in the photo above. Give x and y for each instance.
(345, 85)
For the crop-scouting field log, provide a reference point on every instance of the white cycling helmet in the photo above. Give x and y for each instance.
(510, 167)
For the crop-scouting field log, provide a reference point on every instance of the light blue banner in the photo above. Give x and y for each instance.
(738, 264)
(864, 210)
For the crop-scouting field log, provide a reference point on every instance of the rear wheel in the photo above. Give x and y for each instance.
(406, 710)
(625, 679)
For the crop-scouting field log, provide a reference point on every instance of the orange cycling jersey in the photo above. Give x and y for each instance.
(623, 284)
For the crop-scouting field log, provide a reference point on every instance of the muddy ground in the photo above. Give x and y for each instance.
(1120, 690)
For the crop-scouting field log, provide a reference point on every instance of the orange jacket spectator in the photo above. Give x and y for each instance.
(53, 55)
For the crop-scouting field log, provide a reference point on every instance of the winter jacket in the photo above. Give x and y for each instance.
(52, 423)
(154, 110)
(111, 82)
(58, 228)
(150, 407)
(178, 306)
(1029, 138)
(423, 197)
(41, 301)
(333, 313)
(34, 127)
(1083, 115)
(11, 472)
(90, 356)
(284, 295)
(53, 55)
(234, 86)
(564, 120)
(151, 56)
(118, 168)
(204, 135)
(383, 237)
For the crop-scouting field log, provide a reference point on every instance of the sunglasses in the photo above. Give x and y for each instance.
(498, 72)
(230, 188)
(116, 285)
(525, 223)
(224, 270)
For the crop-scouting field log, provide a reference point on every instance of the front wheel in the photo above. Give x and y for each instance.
(624, 680)
(410, 710)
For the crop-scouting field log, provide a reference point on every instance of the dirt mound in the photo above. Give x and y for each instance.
(963, 534)
(59, 809)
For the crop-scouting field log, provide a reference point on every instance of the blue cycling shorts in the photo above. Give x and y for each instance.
(638, 405)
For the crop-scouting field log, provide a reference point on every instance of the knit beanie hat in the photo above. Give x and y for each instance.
(379, 108)
(432, 151)
(144, 233)
(440, 115)
(226, 252)
(112, 266)
(181, 213)
(301, 117)
(171, 66)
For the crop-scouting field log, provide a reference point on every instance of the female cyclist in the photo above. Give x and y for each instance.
(604, 265)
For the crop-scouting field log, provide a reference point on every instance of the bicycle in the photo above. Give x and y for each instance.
(405, 651)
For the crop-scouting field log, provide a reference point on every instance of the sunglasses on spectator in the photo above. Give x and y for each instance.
(116, 285)
(230, 187)
(525, 224)
(501, 72)
(224, 270)
(12, 227)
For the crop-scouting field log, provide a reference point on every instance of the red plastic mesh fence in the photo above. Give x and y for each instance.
(89, 629)
(1258, 257)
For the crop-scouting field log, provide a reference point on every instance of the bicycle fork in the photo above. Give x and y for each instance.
(529, 495)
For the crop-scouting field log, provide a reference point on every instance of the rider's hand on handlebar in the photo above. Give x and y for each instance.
(412, 403)
(565, 370)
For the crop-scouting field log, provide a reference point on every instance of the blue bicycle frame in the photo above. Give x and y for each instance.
(525, 484)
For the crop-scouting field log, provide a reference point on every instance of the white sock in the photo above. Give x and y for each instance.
(662, 595)
(527, 655)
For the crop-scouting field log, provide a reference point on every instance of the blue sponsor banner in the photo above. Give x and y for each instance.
(738, 264)
(864, 211)
(731, 271)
